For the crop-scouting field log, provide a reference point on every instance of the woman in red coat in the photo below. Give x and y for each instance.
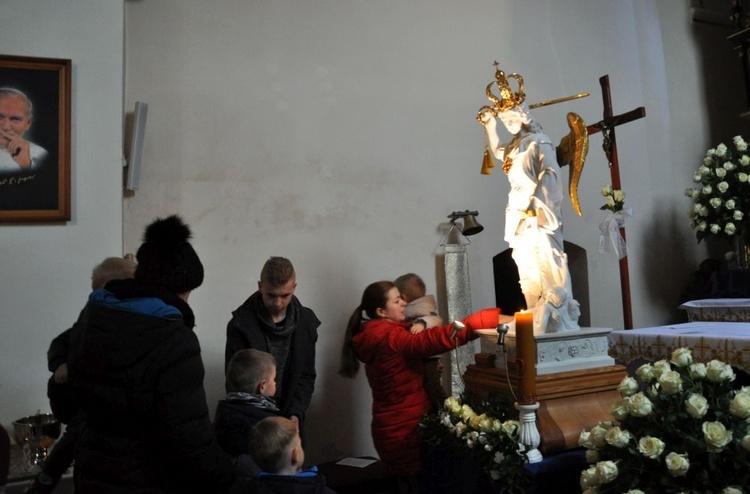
(393, 364)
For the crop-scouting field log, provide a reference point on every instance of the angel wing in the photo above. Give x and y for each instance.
(572, 151)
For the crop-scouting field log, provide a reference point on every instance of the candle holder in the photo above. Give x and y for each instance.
(529, 433)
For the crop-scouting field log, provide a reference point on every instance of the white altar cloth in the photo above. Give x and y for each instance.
(725, 341)
(718, 309)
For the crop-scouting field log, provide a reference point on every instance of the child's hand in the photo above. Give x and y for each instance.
(418, 326)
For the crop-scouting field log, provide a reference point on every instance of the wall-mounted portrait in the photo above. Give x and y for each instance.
(34, 139)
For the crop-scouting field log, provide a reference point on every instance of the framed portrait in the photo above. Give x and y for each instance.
(34, 139)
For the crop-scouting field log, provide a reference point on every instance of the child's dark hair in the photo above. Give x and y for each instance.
(411, 286)
(374, 297)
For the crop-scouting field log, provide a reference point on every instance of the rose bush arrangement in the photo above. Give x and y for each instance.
(680, 427)
(483, 432)
(721, 196)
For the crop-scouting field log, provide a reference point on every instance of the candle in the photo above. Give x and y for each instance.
(526, 354)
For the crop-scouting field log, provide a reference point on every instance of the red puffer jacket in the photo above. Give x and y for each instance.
(393, 364)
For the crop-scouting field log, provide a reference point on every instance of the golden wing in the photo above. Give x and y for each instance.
(572, 151)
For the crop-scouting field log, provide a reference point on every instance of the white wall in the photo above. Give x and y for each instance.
(340, 134)
(46, 268)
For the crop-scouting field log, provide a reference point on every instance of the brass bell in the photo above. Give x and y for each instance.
(471, 226)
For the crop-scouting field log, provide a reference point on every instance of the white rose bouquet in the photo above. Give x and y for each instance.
(611, 239)
(721, 194)
(679, 428)
(483, 432)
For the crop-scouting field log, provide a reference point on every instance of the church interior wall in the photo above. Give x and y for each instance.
(342, 134)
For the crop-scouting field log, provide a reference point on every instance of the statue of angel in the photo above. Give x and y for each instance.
(533, 219)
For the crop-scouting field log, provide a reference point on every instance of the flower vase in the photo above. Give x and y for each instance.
(741, 252)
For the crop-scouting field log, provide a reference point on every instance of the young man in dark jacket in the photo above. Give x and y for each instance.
(136, 371)
(273, 320)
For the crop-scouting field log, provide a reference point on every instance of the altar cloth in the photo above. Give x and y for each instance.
(708, 340)
(718, 309)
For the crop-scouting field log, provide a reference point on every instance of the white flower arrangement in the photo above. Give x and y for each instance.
(492, 443)
(688, 432)
(721, 194)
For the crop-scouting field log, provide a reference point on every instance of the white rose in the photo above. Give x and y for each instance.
(589, 478)
(706, 190)
(606, 471)
(677, 464)
(660, 367)
(619, 195)
(696, 405)
(716, 436)
(688, 192)
(702, 226)
(739, 142)
(715, 229)
(671, 382)
(640, 405)
(645, 373)
(617, 437)
(697, 371)
(495, 475)
(651, 447)
(628, 386)
(740, 406)
(729, 166)
(723, 187)
(718, 371)
(730, 204)
(721, 150)
(584, 440)
(682, 357)
(635, 491)
(511, 428)
(598, 433)
(745, 160)
(711, 152)
(704, 170)
(742, 177)
(620, 409)
(708, 160)
(746, 442)
(729, 229)
(610, 201)
(715, 202)
(696, 177)
(721, 172)
(737, 215)
(732, 490)
(606, 190)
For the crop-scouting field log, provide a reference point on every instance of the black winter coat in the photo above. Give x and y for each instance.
(244, 331)
(233, 421)
(136, 371)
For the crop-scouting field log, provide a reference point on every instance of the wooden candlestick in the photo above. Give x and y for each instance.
(526, 349)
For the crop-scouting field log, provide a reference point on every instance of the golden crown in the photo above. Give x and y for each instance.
(508, 98)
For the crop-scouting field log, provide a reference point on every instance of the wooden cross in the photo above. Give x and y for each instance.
(609, 144)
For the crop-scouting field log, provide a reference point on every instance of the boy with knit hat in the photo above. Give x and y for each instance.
(136, 371)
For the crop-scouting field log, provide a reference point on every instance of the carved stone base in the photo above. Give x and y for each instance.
(568, 401)
(586, 348)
